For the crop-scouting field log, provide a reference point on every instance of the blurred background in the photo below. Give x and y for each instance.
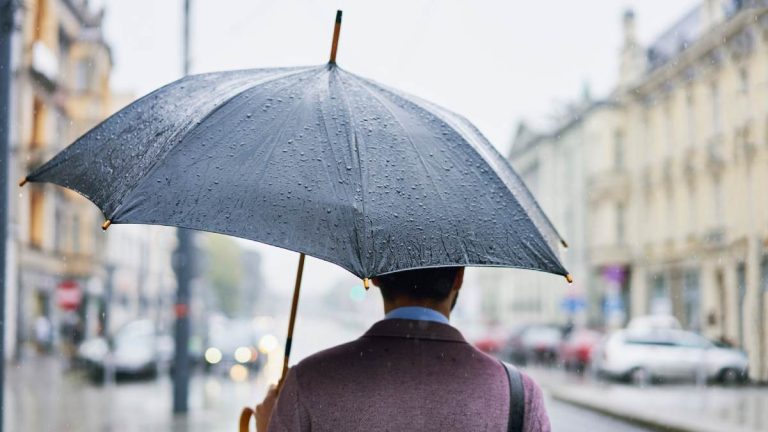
(640, 127)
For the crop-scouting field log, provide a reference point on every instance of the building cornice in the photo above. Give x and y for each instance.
(708, 49)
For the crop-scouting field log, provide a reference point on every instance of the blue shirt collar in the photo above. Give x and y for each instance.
(417, 313)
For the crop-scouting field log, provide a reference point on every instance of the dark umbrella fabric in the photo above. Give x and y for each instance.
(315, 160)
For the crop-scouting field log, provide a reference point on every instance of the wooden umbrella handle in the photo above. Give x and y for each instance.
(245, 418)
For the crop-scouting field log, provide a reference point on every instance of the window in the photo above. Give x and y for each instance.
(690, 118)
(83, 75)
(744, 92)
(36, 218)
(75, 234)
(668, 126)
(764, 274)
(39, 113)
(618, 150)
(646, 132)
(692, 299)
(717, 202)
(620, 224)
(717, 125)
(660, 301)
(741, 284)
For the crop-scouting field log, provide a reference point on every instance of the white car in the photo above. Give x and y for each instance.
(644, 355)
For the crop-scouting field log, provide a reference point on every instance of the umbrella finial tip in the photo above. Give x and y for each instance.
(106, 224)
(366, 283)
(569, 278)
(338, 15)
(564, 243)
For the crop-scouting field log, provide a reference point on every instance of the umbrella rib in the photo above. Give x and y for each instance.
(360, 168)
(323, 123)
(185, 134)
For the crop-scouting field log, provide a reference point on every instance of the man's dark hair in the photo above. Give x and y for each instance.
(429, 283)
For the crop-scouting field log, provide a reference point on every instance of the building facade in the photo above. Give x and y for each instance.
(661, 192)
(684, 179)
(554, 164)
(66, 273)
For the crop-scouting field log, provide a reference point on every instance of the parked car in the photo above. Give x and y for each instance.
(645, 355)
(533, 343)
(654, 322)
(137, 349)
(577, 348)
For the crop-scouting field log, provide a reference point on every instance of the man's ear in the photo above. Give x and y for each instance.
(459, 280)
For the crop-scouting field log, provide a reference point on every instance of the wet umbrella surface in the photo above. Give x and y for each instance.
(316, 160)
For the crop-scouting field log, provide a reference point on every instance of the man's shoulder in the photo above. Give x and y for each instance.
(331, 354)
(369, 343)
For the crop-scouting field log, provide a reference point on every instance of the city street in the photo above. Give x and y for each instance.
(41, 397)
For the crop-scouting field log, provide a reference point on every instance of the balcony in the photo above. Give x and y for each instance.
(715, 238)
(609, 185)
(610, 254)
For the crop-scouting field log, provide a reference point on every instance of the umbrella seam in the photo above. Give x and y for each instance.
(362, 187)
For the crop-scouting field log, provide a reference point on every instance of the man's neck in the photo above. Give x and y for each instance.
(441, 307)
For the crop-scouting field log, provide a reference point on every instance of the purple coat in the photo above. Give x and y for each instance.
(403, 375)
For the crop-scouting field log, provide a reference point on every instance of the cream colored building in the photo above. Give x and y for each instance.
(60, 90)
(683, 185)
(61, 87)
(554, 164)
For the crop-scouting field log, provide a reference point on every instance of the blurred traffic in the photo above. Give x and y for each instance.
(649, 350)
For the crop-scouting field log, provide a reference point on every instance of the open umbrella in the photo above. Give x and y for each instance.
(316, 160)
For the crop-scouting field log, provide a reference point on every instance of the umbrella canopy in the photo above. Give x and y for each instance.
(313, 159)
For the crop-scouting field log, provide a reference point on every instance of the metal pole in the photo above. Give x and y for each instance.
(184, 263)
(7, 16)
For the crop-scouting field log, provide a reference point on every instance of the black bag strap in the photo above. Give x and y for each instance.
(516, 399)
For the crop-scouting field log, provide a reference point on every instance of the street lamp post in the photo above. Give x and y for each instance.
(7, 15)
(183, 263)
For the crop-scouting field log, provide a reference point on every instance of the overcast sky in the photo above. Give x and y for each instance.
(493, 61)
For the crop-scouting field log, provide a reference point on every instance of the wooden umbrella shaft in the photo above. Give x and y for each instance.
(292, 319)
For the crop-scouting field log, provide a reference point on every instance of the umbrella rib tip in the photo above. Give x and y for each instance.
(106, 224)
(366, 283)
(23, 182)
(569, 278)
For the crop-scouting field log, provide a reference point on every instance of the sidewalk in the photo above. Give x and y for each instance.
(664, 407)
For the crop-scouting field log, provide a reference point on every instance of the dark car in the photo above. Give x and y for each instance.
(534, 343)
(233, 347)
(577, 348)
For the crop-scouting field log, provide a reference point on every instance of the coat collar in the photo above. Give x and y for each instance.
(415, 329)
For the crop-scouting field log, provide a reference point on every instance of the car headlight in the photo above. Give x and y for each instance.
(243, 354)
(213, 355)
(268, 343)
